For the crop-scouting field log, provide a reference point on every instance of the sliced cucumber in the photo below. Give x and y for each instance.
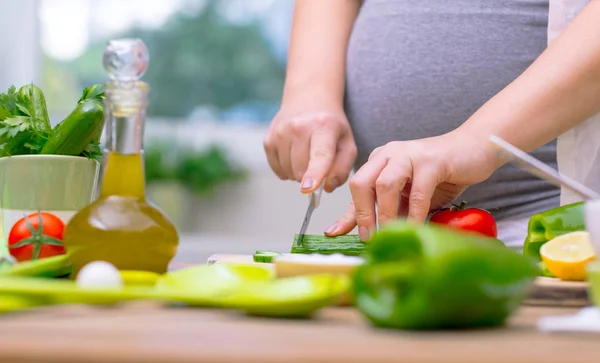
(265, 256)
(349, 245)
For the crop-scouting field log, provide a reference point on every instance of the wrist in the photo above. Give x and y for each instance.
(319, 88)
(477, 138)
(312, 96)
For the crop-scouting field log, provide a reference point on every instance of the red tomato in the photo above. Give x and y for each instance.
(471, 219)
(38, 236)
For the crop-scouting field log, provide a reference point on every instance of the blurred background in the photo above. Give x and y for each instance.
(216, 73)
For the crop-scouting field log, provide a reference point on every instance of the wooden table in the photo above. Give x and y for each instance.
(139, 332)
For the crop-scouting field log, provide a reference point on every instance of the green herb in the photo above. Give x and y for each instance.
(8, 102)
(200, 171)
(93, 151)
(21, 131)
(25, 126)
(96, 92)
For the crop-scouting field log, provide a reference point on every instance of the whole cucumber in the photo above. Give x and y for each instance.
(33, 95)
(72, 135)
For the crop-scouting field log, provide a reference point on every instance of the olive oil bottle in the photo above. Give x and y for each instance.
(121, 226)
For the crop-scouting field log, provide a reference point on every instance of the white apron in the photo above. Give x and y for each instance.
(578, 150)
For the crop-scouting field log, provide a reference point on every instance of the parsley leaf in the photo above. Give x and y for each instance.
(4, 113)
(93, 151)
(8, 99)
(95, 91)
(36, 142)
(13, 125)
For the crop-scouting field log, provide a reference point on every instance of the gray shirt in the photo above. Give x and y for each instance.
(418, 69)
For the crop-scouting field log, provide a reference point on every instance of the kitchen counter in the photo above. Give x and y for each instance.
(145, 332)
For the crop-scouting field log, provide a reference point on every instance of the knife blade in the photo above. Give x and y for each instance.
(314, 200)
(541, 170)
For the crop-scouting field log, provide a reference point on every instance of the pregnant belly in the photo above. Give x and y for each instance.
(420, 68)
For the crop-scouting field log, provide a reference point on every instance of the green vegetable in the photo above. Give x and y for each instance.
(24, 123)
(252, 289)
(349, 245)
(544, 270)
(55, 266)
(265, 256)
(33, 97)
(552, 223)
(431, 277)
(74, 134)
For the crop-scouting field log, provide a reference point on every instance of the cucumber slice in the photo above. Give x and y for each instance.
(349, 245)
(265, 256)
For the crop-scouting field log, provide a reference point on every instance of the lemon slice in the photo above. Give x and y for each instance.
(566, 256)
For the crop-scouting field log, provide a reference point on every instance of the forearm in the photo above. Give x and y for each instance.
(317, 54)
(558, 91)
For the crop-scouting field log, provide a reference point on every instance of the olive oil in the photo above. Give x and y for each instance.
(121, 226)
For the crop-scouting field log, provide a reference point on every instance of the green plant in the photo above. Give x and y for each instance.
(199, 171)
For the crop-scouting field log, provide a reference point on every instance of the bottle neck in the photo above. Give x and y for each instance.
(125, 106)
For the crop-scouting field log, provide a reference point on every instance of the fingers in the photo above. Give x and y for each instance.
(362, 187)
(323, 147)
(388, 187)
(284, 152)
(343, 225)
(299, 152)
(342, 165)
(273, 157)
(425, 180)
(403, 210)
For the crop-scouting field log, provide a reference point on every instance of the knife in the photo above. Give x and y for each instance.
(314, 200)
(540, 169)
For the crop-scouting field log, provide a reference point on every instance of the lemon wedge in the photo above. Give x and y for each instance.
(566, 256)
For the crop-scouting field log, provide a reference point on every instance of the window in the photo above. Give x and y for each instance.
(216, 73)
(217, 60)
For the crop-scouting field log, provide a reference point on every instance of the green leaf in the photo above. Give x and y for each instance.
(40, 229)
(47, 240)
(92, 151)
(23, 242)
(9, 99)
(30, 226)
(4, 113)
(36, 251)
(16, 124)
(24, 109)
(95, 91)
(36, 142)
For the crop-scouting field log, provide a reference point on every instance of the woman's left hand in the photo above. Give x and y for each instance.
(411, 178)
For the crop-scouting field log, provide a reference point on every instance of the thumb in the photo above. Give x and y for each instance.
(343, 225)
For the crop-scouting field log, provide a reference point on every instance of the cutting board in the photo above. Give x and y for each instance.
(231, 258)
(545, 291)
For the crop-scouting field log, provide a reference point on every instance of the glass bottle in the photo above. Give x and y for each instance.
(121, 226)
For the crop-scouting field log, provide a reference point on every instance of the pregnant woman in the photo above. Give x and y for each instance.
(366, 77)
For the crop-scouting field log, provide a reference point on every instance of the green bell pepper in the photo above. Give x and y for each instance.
(431, 277)
(552, 223)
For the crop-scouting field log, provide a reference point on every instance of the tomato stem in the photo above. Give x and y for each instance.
(461, 206)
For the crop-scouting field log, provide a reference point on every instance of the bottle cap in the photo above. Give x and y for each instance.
(126, 60)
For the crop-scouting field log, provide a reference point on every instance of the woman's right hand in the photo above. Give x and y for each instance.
(311, 146)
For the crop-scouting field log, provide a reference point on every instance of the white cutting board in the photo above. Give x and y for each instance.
(233, 259)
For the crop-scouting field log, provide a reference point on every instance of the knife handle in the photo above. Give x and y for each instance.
(315, 197)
